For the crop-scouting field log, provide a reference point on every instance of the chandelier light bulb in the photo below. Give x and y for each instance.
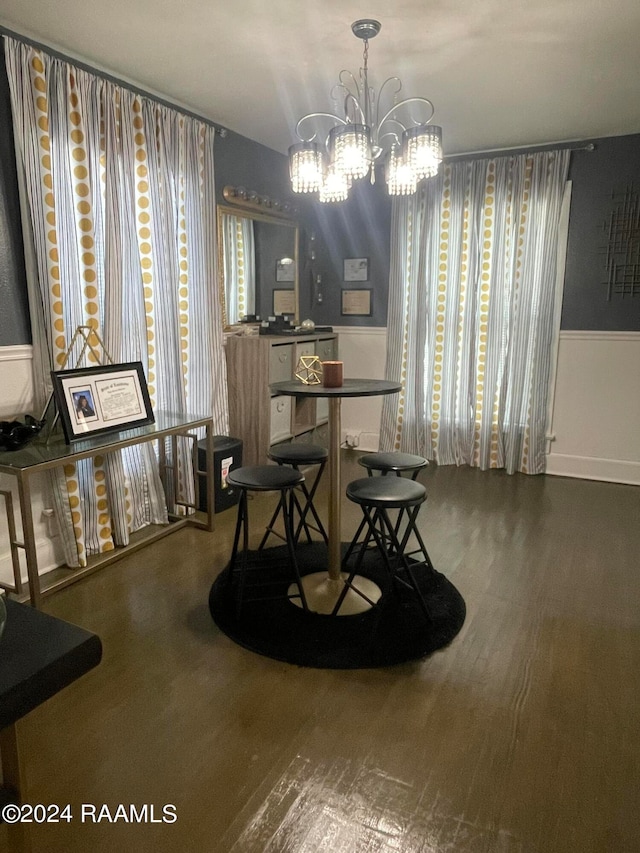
(306, 167)
(350, 148)
(401, 179)
(424, 150)
(335, 188)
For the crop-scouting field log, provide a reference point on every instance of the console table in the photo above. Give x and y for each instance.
(40, 455)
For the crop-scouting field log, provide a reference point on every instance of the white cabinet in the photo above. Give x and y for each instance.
(253, 362)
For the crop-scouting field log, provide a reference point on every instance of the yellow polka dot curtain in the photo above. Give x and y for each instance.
(119, 196)
(239, 266)
(473, 310)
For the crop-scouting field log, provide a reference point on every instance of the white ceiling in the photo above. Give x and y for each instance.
(501, 73)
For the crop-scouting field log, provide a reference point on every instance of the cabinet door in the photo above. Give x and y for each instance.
(280, 418)
(305, 348)
(327, 350)
(281, 362)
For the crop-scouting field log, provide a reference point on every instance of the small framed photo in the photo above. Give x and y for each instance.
(284, 302)
(356, 303)
(356, 269)
(285, 269)
(101, 399)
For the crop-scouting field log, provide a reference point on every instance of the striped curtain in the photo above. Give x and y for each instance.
(119, 201)
(239, 266)
(472, 311)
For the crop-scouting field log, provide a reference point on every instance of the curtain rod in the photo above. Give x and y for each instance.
(220, 131)
(543, 146)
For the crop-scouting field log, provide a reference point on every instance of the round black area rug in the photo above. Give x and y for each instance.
(395, 631)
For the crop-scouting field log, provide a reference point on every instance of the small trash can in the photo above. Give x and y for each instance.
(227, 455)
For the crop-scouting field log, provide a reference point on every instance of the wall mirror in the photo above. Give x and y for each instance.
(258, 268)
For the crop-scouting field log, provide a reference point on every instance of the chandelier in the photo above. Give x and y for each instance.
(357, 141)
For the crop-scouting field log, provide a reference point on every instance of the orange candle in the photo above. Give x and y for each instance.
(332, 374)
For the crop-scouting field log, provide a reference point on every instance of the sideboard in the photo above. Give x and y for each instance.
(257, 417)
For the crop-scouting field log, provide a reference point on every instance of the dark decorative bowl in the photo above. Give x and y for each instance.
(3, 614)
(15, 434)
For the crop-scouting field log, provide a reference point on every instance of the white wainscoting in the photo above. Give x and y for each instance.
(363, 349)
(16, 400)
(596, 412)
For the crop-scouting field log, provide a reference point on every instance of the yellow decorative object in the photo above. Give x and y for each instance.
(309, 370)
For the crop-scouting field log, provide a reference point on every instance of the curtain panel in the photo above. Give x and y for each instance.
(239, 269)
(472, 312)
(119, 202)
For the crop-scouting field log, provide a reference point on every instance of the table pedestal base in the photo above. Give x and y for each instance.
(322, 592)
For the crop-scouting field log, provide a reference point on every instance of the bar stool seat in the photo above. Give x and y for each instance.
(393, 462)
(294, 455)
(263, 478)
(376, 496)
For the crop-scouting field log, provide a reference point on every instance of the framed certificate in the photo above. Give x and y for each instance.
(356, 269)
(356, 303)
(284, 302)
(101, 399)
(285, 269)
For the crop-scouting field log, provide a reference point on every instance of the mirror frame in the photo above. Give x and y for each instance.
(250, 206)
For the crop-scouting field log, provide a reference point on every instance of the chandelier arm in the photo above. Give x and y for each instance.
(350, 97)
(404, 103)
(396, 137)
(312, 116)
(391, 94)
(353, 80)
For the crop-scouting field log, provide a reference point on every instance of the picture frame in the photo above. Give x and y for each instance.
(105, 398)
(284, 302)
(285, 269)
(356, 269)
(356, 303)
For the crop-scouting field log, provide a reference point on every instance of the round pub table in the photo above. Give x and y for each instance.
(322, 589)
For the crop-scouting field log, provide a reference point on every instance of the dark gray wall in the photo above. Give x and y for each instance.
(360, 227)
(356, 228)
(241, 162)
(14, 313)
(599, 179)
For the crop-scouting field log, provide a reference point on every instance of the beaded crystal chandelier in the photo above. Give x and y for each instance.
(358, 140)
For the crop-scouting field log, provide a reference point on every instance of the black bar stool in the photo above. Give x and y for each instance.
(294, 455)
(264, 478)
(393, 462)
(376, 496)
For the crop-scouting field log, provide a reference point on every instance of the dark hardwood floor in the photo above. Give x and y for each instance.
(522, 735)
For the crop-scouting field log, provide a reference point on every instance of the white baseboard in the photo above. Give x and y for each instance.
(368, 442)
(48, 560)
(592, 468)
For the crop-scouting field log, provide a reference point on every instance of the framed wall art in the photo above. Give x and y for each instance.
(285, 269)
(356, 303)
(356, 269)
(284, 302)
(101, 399)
